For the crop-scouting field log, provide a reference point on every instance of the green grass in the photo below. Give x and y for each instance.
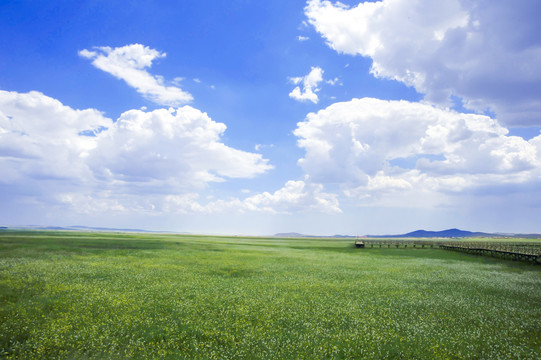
(93, 295)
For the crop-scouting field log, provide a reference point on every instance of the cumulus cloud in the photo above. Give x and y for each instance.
(373, 147)
(53, 154)
(294, 196)
(309, 86)
(334, 81)
(130, 63)
(179, 147)
(40, 138)
(487, 53)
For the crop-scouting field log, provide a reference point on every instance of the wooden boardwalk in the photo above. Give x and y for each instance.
(395, 243)
(518, 251)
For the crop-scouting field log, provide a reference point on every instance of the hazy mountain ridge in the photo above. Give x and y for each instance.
(449, 233)
(457, 233)
(443, 233)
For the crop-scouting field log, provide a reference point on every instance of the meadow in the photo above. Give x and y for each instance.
(66, 295)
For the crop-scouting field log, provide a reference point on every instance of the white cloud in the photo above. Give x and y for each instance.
(309, 86)
(259, 147)
(40, 138)
(334, 81)
(146, 162)
(488, 53)
(54, 155)
(178, 80)
(302, 38)
(177, 148)
(130, 63)
(97, 203)
(294, 196)
(375, 148)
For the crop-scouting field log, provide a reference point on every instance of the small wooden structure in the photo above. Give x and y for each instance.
(532, 255)
(519, 251)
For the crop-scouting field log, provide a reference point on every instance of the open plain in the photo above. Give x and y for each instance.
(68, 295)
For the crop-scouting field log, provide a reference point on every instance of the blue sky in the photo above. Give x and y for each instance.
(254, 117)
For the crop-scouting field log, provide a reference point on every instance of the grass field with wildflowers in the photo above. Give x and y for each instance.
(67, 295)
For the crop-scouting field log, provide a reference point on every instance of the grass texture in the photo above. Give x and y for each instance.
(67, 295)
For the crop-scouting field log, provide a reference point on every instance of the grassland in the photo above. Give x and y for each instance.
(93, 295)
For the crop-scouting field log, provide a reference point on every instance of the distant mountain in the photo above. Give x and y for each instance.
(449, 233)
(291, 235)
(444, 233)
(453, 233)
(89, 228)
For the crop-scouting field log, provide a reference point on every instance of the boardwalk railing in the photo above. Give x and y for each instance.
(394, 243)
(513, 251)
(521, 251)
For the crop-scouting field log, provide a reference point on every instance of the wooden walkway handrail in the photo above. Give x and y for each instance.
(524, 251)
